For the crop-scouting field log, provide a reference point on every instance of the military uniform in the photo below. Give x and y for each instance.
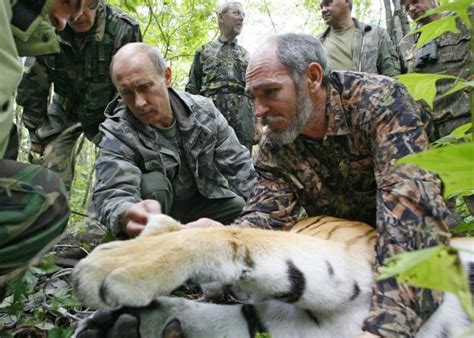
(218, 72)
(207, 161)
(372, 50)
(82, 87)
(33, 203)
(449, 54)
(350, 173)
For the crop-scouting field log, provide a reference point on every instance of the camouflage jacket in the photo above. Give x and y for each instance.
(350, 173)
(372, 50)
(454, 59)
(129, 148)
(25, 31)
(80, 73)
(218, 67)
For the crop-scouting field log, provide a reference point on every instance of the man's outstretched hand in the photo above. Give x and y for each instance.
(135, 218)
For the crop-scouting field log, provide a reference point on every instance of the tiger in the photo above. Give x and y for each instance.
(312, 281)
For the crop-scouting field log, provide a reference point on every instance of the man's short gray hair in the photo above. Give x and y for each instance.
(224, 8)
(297, 51)
(153, 54)
(155, 57)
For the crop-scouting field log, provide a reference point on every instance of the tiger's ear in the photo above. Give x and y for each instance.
(159, 224)
(173, 330)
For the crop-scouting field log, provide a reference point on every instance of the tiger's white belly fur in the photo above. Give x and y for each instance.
(314, 281)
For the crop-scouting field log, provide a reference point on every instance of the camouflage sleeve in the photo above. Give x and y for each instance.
(195, 75)
(128, 30)
(33, 96)
(411, 214)
(232, 158)
(118, 179)
(388, 62)
(272, 203)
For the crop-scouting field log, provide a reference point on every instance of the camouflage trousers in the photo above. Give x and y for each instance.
(238, 111)
(33, 212)
(60, 154)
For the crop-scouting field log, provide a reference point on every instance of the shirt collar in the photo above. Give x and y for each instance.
(231, 42)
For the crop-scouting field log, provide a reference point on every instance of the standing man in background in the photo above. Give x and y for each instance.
(82, 86)
(218, 72)
(354, 45)
(448, 54)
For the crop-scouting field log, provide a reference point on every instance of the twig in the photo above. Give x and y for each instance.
(71, 246)
(94, 222)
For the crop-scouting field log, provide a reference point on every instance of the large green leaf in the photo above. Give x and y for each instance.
(460, 7)
(437, 268)
(436, 28)
(460, 84)
(463, 227)
(454, 164)
(421, 268)
(461, 133)
(423, 86)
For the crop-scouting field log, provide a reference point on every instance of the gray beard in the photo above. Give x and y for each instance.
(303, 111)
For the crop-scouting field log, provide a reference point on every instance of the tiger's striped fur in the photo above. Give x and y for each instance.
(313, 281)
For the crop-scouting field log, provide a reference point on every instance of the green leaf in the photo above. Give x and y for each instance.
(422, 86)
(460, 84)
(462, 131)
(454, 164)
(59, 332)
(435, 29)
(460, 7)
(463, 227)
(402, 263)
(438, 268)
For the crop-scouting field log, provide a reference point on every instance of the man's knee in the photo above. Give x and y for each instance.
(227, 210)
(157, 186)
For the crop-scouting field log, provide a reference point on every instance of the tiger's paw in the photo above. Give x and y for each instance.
(130, 273)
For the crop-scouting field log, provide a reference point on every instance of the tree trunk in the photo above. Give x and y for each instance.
(397, 20)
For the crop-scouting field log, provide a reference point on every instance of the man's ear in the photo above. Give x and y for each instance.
(168, 76)
(315, 76)
(220, 17)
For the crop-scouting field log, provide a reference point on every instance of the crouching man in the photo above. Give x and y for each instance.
(163, 147)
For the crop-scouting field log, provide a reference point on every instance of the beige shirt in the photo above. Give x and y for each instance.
(339, 48)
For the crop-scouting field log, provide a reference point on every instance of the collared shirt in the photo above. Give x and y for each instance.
(339, 47)
(372, 50)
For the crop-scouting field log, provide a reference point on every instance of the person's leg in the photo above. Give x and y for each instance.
(59, 155)
(13, 144)
(155, 186)
(33, 212)
(242, 119)
(224, 210)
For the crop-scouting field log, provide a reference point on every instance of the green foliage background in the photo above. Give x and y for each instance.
(178, 28)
